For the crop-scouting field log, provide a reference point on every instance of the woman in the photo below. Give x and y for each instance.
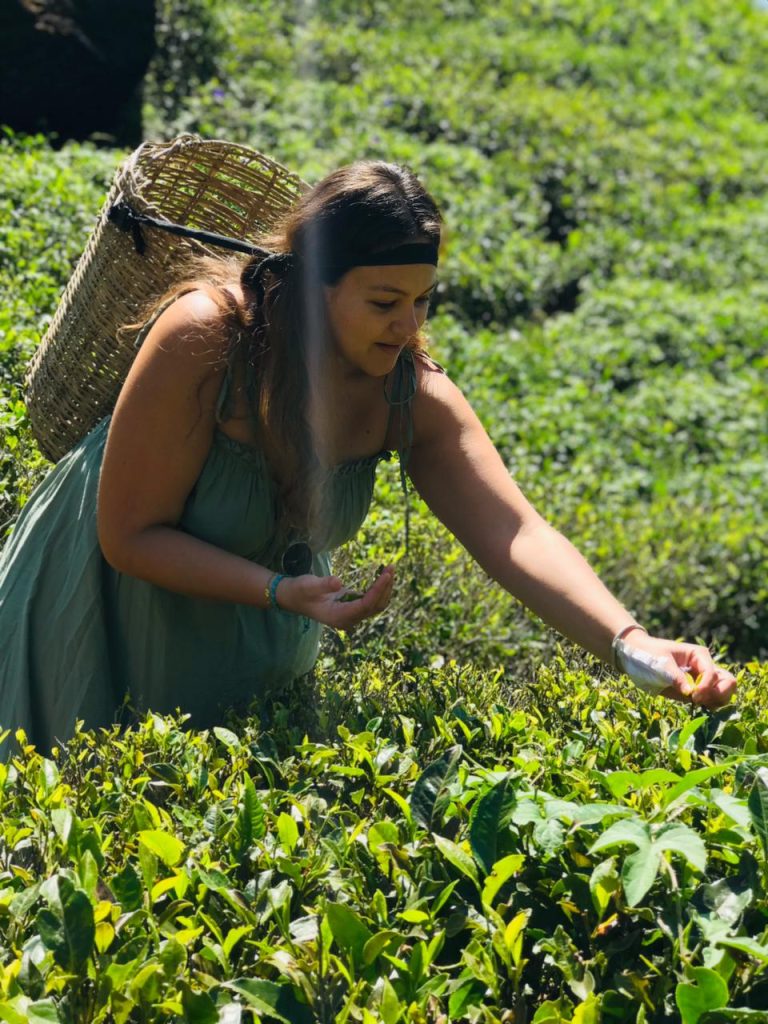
(179, 555)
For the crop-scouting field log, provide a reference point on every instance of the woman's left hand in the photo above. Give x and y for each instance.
(693, 674)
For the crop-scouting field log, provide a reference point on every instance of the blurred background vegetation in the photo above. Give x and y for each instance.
(603, 295)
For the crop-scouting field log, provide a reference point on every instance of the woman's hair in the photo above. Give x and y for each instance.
(353, 213)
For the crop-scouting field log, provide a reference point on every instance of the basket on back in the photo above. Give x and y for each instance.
(77, 371)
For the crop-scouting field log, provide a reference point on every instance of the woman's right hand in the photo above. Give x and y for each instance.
(320, 598)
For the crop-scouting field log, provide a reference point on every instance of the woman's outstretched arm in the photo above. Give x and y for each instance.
(461, 476)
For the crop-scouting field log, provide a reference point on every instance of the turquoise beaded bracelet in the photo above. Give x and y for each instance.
(271, 591)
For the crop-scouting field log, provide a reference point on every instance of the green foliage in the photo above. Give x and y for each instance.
(188, 39)
(454, 844)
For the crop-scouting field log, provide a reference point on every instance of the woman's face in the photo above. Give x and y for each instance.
(373, 311)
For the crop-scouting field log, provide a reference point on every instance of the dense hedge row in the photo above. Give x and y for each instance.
(555, 852)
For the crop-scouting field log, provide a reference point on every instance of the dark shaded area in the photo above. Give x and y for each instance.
(564, 298)
(561, 216)
(75, 67)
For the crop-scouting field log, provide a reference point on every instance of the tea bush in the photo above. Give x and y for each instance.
(421, 846)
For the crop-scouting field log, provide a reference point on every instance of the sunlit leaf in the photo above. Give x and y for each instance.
(683, 840)
(454, 854)
(164, 845)
(745, 945)
(588, 1011)
(63, 821)
(43, 1011)
(629, 831)
(104, 936)
(705, 991)
(385, 940)
(500, 873)
(620, 782)
(348, 929)
(288, 831)
(638, 873)
(513, 935)
(734, 1015)
(230, 739)
(689, 781)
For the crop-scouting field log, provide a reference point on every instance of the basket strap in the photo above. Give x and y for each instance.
(124, 217)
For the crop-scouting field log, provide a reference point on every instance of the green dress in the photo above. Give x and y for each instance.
(79, 637)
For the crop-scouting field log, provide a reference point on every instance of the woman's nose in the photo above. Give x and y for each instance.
(408, 323)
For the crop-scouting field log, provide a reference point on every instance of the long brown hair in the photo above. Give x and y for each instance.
(356, 211)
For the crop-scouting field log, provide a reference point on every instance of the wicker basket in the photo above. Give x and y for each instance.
(76, 373)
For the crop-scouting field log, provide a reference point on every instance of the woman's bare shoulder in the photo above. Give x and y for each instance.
(439, 405)
(200, 322)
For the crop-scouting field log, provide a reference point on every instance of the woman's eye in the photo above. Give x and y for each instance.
(383, 306)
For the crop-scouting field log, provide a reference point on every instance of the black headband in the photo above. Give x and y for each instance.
(412, 252)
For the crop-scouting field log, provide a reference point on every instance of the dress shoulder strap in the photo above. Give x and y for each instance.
(399, 391)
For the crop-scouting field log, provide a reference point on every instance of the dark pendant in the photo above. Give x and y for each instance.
(297, 560)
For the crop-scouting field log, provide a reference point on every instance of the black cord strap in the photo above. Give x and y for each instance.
(124, 217)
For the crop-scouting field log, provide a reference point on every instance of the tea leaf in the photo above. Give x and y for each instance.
(430, 793)
(745, 945)
(513, 935)
(165, 846)
(43, 1012)
(470, 993)
(488, 818)
(638, 873)
(757, 802)
(273, 1000)
(500, 873)
(688, 781)
(62, 820)
(348, 929)
(378, 943)
(288, 831)
(250, 825)
(683, 840)
(199, 1008)
(603, 883)
(706, 991)
(126, 886)
(627, 831)
(11, 1014)
(456, 856)
(230, 739)
(735, 1015)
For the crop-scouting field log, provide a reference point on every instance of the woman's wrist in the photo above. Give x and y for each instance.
(278, 593)
(270, 591)
(619, 638)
